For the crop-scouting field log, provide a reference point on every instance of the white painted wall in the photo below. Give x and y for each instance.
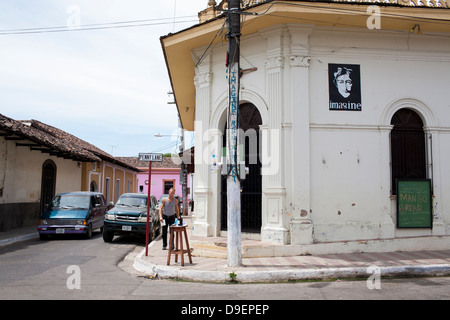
(21, 173)
(332, 178)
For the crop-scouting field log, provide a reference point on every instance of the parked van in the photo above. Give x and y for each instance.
(73, 213)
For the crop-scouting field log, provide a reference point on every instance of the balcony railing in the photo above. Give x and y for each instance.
(215, 9)
(412, 3)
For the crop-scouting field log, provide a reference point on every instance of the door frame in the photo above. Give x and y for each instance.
(255, 192)
(48, 191)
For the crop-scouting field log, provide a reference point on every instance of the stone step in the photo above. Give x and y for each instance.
(217, 248)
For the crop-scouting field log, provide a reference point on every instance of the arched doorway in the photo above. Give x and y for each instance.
(93, 187)
(408, 153)
(251, 188)
(48, 183)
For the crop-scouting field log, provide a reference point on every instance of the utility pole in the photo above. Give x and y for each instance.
(183, 171)
(234, 251)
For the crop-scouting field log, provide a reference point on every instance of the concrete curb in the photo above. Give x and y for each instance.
(19, 238)
(172, 272)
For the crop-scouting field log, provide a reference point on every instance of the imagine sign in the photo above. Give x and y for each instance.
(344, 86)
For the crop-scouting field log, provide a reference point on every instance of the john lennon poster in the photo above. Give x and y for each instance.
(344, 86)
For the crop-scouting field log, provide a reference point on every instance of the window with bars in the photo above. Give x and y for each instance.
(408, 147)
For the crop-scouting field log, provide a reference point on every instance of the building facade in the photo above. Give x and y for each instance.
(165, 175)
(334, 110)
(37, 161)
(110, 177)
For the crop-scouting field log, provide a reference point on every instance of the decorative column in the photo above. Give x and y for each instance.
(434, 172)
(300, 225)
(202, 189)
(388, 203)
(215, 179)
(274, 224)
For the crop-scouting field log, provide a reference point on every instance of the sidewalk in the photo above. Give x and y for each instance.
(273, 269)
(18, 235)
(291, 268)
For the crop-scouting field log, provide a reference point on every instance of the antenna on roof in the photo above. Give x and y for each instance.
(112, 148)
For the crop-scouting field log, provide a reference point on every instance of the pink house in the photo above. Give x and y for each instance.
(165, 175)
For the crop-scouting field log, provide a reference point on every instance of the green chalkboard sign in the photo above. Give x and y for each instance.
(414, 206)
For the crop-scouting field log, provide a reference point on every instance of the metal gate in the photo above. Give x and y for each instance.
(408, 154)
(251, 187)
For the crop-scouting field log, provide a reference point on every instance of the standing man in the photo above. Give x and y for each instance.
(171, 210)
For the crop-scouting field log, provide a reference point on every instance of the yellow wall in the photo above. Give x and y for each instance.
(121, 180)
(21, 173)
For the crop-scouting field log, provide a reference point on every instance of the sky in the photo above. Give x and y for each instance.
(109, 86)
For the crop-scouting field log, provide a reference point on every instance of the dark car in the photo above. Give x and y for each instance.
(129, 216)
(73, 213)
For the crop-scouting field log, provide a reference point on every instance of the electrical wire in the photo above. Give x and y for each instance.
(220, 31)
(173, 144)
(187, 19)
(100, 26)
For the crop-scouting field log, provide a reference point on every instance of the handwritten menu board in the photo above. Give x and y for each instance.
(414, 206)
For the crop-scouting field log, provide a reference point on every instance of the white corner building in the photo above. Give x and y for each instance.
(338, 102)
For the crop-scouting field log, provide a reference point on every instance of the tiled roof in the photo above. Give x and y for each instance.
(47, 139)
(135, 162)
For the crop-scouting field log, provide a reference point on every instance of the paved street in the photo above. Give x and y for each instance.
(37, 269)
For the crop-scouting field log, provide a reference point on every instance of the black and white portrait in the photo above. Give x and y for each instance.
(344, 85)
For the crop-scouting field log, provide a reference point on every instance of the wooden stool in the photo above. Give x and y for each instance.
(178, 230)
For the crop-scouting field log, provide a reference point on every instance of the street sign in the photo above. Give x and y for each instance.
(154, 157)
(183, 176)
(150, 157)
